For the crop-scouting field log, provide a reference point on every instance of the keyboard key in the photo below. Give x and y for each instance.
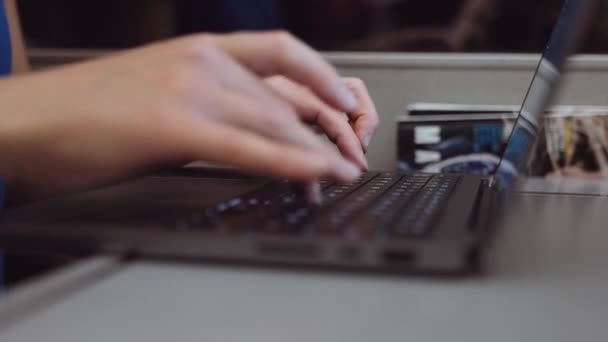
(419, 217)
(337, 218)
(377, 205)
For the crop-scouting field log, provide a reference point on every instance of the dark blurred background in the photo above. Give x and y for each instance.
(339, 25)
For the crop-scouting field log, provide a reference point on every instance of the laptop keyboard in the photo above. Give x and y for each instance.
(377, 205)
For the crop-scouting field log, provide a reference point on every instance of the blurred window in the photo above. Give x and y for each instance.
(341, 25)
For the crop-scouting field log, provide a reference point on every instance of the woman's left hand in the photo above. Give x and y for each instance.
(351, 132)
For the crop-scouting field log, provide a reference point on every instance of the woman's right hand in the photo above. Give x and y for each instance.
(195, 98)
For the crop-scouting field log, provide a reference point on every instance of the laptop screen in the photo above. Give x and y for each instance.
(563, 42)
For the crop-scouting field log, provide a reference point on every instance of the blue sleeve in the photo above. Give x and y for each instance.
(6, 51)
(5, 66)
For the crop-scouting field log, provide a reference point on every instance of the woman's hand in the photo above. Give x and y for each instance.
(352, 132)
(196, 98)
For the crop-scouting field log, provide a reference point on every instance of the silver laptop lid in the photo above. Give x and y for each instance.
(564, 40)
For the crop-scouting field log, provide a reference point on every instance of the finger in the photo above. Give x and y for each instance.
(312, 109)
(365, 117)
(269, 54)
(339, 131)
(251, 114)
(311, 191)
(246, 150)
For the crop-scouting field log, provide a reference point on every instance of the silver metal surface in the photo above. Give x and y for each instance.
(41, 293)
(565, 186)
(476, 61)
(547, 282)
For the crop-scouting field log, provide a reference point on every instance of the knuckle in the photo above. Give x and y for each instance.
(197, 49)
(283, 41)
(275, 123)
(375, 123)
(336, 120)
(278, 82)
(355, 82)
(282, 36)
(376, 120)
(339, 136)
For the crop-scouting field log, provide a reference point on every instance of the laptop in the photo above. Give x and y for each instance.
(392, 222)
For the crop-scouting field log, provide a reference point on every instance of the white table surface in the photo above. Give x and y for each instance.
(547, 281)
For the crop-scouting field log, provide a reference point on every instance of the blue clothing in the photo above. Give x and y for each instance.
(6, 51)
(5, 64)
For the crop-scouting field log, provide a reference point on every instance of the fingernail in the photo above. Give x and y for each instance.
(349, 171)
(366, 167)
(367, 140)
(348, 99)
(363, 161)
